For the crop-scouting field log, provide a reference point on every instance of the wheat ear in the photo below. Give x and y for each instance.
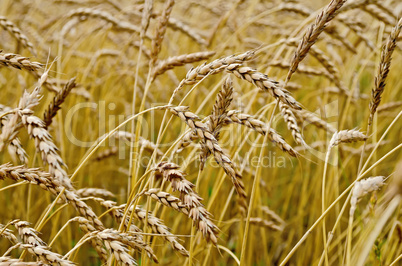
(260, 127)
(151, 221)
(211, 143)
(312, 33)
(383, 70)
(179, 60)
(16, 32)
(198, 214)
(346, 136)
(161, 30)
(54, 106)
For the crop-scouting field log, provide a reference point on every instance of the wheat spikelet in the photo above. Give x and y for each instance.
(36, 245)
(54, 106)
(296, 8)
(378, 13)
(211, 143)
(312, 33)
(290, 120)
(154, 223)
(346, 136)
(23, 63)
(7, 261)
(146, 16)
(16, 32)
(96, 243)
(112, 240)
(383, 70)
(106, 153)
(181, 26)
(218, 115)
(265, 223)
(27, 101)
(389, 106)
(264, 83)
(260, 127)
(19, 62)
(161, 30)
(15, 148)
(94, 13)
(44, 180)
(198, 214)
(216, 66)
(333, 31)
(170, 172)
(327, 63)
(301, 69)
(356, 4)
(44, 144)
(94, 192)
(28, 234)
(46, 256)
(136, 239)
(180, 60)
(362, 188)
(8, 234)
(313, 119)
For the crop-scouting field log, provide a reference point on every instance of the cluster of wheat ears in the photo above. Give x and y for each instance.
(200, 132)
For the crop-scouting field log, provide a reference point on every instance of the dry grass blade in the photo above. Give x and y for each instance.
(383, 70)
(57, 101)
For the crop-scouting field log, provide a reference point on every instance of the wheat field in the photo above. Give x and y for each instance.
(200, 132)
